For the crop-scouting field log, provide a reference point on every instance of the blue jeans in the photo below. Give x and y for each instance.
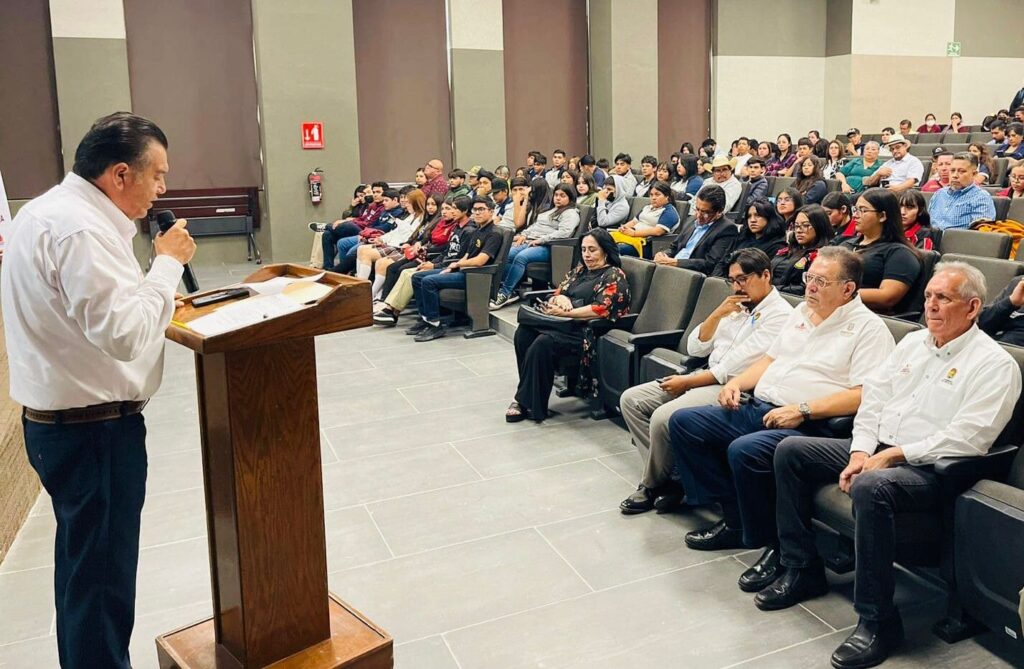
(95, 474)
(347, 247)
(519, 257)
(330, 237)
(725, 456)
(427, 286)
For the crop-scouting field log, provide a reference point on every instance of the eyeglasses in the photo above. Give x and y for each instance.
(742, 279)
(802, 226)
(863, 210)
(479, 210)
(818, 281)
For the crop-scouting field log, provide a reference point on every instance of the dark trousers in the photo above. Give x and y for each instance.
(95, 474)
(427, 287)
(725, 456)
(394, 270)
(330, 237)
(537, 356)
(804, 464)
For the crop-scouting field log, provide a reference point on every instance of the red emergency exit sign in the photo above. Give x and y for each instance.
(312, 135)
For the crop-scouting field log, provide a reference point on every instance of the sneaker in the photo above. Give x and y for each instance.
(498, 302)
(512, 299)
(420, 326)
(317, 227)
(385, 318)
(430, 333)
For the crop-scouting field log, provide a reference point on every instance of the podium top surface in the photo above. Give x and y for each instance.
(345, 307)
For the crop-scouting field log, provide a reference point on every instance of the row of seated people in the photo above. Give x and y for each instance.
(746, 427)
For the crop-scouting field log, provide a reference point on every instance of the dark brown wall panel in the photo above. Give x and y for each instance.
(191, 70)
(546, 67)
(30, 157)
(684, 73)
(401, 86)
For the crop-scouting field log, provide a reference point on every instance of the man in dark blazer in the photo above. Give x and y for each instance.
(706, 239)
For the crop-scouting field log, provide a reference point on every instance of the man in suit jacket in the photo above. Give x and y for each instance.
(706, 239)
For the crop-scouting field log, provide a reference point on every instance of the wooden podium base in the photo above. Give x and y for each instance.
(355, 643)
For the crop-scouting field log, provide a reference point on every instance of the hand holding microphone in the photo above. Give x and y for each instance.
(175, 241)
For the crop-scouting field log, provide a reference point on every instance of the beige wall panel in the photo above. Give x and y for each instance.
(87, 18)
(776, 28)
(989, 28)
(635, 78)
(478, 108)
(983, 85)
(902, 27)
(306, 72)
(601, 87)
(788, 99)
(837, 97)
(92, 81)
(885, 90)
(475, 24)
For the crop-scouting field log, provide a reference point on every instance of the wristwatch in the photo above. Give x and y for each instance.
(805, 410)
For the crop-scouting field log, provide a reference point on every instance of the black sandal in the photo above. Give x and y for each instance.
(515, 413)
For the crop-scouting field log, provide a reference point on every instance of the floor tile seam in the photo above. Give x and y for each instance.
(478, 377)
(565, 560)
(784, 648)
(380, 533)
(330, 445)
(822, 620)
(605, 465)
(462, 455)
(415, 409)
(516, 430)
(33, 638)
(451, 651)
(26, 569)
(172, 543)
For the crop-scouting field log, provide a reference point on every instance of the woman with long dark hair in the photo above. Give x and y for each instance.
(762, 229)
(596, 288)
(916, 221)
(891, 265)
(809, 181)
(787, 203)
(785, 157)
(811, 231)
(688, 180)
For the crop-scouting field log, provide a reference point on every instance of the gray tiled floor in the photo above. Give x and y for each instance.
(477, 544)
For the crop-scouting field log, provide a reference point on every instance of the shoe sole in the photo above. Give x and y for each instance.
(633, 511)
(755, 587)
(778, 607)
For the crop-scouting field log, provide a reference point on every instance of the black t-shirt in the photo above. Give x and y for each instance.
(885, 260)
(485, 240)
(458, 243)
(1001, 320)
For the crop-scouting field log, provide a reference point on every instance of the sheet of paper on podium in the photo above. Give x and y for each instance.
(273, 298)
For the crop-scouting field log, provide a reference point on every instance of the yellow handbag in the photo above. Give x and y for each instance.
(635, 242)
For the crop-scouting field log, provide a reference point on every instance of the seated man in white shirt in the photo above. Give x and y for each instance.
(901, 172)
(947, 391)
(813, 371)
(734, 336)
(722, 173)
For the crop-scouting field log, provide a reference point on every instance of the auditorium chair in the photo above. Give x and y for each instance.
(975, 243)
(665, 361)
(925, 541)
(781, 184)
(998, 273)
(563, 254)
(982, 136)
(735, 212)
(1002, 170)
(988, 524)
(1016, 210)
(912, 307)
(635, 205)
(1002, 205)
(481, 286)
(683, 208)
(667, 309)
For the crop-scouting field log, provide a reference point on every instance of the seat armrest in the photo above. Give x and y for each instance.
(567, 241)
(958, 474)
(536, 294)
(840, 426)
(648, 341)
(602, 326)
(486, 269)
(912, 316)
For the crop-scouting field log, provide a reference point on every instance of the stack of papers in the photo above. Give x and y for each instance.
(276, 297)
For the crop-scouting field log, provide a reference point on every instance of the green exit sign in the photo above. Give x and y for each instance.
(953, 49)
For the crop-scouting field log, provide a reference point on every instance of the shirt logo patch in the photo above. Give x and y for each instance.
(904, 370)
(800, 264)
(951, 373)
(848, 331)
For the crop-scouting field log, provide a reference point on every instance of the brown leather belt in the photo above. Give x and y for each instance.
(91, 414)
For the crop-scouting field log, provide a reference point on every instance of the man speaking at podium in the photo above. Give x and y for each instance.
(85, 343)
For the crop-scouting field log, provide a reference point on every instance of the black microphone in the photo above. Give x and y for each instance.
(165, 221)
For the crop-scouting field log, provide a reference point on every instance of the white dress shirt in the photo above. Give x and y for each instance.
(814, 361)
(83, 325)
(938, 402)
(741, 338)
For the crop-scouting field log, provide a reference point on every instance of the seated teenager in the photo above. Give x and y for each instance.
(531, 243)
(647, 167)
(459, 240)
(392, 213)
(1014, 147)
(389, 244)
(1003, 318)
(504, 211)
(809, 182)
(687, 178)
(568, 177)
(706, 239)
(361, 199)
(947, 391)
(429, 238)
(986, 166)
(804, 149)
(758, 189)
(612, 207)
(1016, 187)
(787, 203)
(762, 229)
(484, 244)
(623, 167)
(658, 218)
(811, 231)
(728, 341)
(597, 288)
(457, 185)
(917, 223)
(347, 227)
(586, 190)
(890, 264)
(785, 157)
(813, 370)
(840, 214)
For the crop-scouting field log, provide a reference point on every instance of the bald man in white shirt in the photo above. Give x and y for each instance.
(85, 343)
(947, 391)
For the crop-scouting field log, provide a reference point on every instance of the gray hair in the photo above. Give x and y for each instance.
(851, 267)
(973, 284)
(968, 156)
(870, 142)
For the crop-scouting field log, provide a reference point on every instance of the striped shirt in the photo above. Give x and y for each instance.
(959, 208)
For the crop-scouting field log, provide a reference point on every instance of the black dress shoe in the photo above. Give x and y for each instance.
(870, 644)
(671, 498)
(791, 587)
(715, 538)
(763, 573)
(641, 501)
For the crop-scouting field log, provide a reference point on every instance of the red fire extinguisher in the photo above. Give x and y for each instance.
(316, 190)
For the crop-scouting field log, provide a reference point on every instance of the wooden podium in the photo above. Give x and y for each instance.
(264, 494)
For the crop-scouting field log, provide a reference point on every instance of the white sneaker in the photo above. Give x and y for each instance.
(317, 227)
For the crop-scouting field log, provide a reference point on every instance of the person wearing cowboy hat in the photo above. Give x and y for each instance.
(899, 173)
(722, 174)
